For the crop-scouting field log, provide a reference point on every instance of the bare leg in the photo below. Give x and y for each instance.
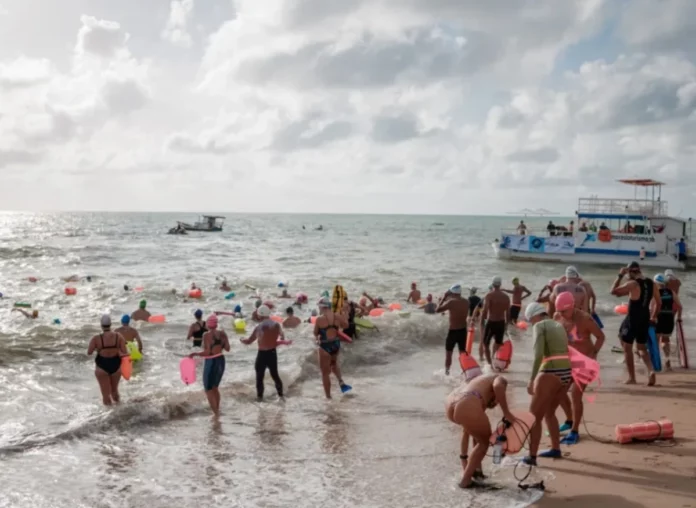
(630, 365)
(643, 352)
(578, 406)
(666, 350)
(104, 385)
(114, 379)
(473, 419)
(546, 387)
(210, 394)
(552, 421)
(487, 351)
(448, 361)
(325, 366)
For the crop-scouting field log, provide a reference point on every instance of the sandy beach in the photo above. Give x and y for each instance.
(631, 475)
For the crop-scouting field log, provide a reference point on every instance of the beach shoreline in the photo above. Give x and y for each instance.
(632, 475)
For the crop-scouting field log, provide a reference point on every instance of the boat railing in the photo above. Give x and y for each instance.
(540, 233)
(642, 207)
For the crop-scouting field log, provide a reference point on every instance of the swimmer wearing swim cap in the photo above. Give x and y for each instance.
(224, 286)
(215, 342)
(585, 298)
(110, 347)
(415, 295)
(129, 333)
(291, 321)
(268, 333)
(519, 293)
(141, 314)
(326, 329)
(430, 306)
(197, 329)
(496, 315)
(284, 294)
(673, 282)
(458, 309)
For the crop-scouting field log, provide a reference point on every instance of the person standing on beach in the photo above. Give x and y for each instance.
(466, 406)
(571, 283)
(268, 333)
(110, 347)
(636, 325)
(580, 327)
(550, 378)
(672, 282)
(326, 328)
(141, 314)
(415, 295)
(129, 333)
(519, 293)
(545, 293)
(670, 306)
(458, 309)
(214, 343)
(496, 314)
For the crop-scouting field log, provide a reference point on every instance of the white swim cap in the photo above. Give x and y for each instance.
(534, 309)
(572, 273)
(106, 321)
(669, 274)
(497, 282)
(264, 311)
(456, 289)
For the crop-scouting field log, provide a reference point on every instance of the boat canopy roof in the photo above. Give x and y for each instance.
(642, 182)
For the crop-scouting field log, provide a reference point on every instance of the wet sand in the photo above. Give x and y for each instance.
(631, 475)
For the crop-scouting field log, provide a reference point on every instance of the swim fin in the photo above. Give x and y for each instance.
(345, 388)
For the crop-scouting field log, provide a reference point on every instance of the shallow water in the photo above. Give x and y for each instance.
(386, 444)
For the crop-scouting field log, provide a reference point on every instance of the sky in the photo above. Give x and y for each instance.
(344, 106)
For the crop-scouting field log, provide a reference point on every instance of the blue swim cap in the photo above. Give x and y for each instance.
(659, 278)
(198, 313)
(238, 308)
(125, 319)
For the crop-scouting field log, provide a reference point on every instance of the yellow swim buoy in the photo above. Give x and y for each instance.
(133, 350)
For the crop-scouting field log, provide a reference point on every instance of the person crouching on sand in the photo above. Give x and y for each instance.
(466, 406)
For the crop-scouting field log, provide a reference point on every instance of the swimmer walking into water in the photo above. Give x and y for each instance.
(268, 333)
(141, 314)
(197, 329)
(430, 307)
(214, 343)
(519, 293)
(129, 333)
(466, 406)
(110, 347)
(496, 314)
(458, 309)
(326, 329)
(291, 321)
(415, 295)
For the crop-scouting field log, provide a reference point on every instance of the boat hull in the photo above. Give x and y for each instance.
(200, 229)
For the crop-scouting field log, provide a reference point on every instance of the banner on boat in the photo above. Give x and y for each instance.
(539, 244)
(518, 243)
(559, 245)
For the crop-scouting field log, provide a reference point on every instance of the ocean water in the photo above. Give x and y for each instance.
(386, 444)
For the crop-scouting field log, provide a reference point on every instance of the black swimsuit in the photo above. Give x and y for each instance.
(109, 364)
(198, 336)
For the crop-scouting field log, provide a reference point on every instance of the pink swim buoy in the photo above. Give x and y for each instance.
(516, 434)
(284, 343)
(277, 319)
(522, 325)
(187, 369)
(622, 309)
(376, 312)
(344, 337)
(394, 306)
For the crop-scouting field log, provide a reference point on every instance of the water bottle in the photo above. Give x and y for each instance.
(497, 451)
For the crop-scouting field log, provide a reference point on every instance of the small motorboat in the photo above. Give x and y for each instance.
(177, 231)
(206, 223)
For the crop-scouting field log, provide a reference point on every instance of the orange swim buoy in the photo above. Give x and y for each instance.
(644, 431)
(126, 367)
(503, 356)
(516, 434)
(522, 325)
(621, 309)
(470, 340)
(277, 319)
(158, 318)
(394, 306)
(376, 312)
(469, 366)
(70, 291)
(195, 293)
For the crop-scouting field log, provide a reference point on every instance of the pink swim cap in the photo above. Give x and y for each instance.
(565, 301)
(212, 322)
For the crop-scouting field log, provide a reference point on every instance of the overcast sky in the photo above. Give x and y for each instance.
(384, 106)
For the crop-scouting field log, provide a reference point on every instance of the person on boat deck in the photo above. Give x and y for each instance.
(522, 228)
(197, 329)
(129, 333)
(671, 307)
(571, 229)
(672, 282)
(141, 314)
(593, 227)
(415, 295)
(291, 321)
(681, 249)
(466, 406)
(110, 347)
(224, 286)
(34, 313)
(603, 226)
(519, 293)
(583, 228)
(551, 229)
(628, 228)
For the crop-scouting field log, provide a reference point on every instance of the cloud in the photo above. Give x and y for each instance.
(18, 157)
(24, 72)
(180, 12)
(99, 37)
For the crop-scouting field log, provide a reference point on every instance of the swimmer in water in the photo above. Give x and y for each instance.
(141, 314)
(197, 329)
(34, 313)
(545, 292)
(326, 329)
(580, 328)
(268, 333)
(466, 406)
(126, 288)
(415, 295)
(314, 314)
(549, 381)
(300, 300)
(129, 333)
(430, 307)
(71, 278)
(214, 343)
(351, 310)
(458, 309)
(255, 315)
(374, 302)
(110, 347)
(284, 294)
(519, 293)
(291, 321)
(224, 286)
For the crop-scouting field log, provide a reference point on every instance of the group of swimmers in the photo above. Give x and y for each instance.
(562, 315)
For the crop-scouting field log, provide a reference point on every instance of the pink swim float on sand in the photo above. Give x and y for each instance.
(516, 434)
(394, 306)
(187, 369)
(376, 312)
(159, 318)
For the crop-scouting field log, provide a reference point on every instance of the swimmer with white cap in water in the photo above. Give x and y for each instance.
(458, 309)
(673, 282)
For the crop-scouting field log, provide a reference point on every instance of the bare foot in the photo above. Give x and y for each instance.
(651, 379)
(668, 365)
(630, 382)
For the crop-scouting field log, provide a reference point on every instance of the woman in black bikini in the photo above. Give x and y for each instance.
(326, 329)
(110, 347)
(197, 329)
